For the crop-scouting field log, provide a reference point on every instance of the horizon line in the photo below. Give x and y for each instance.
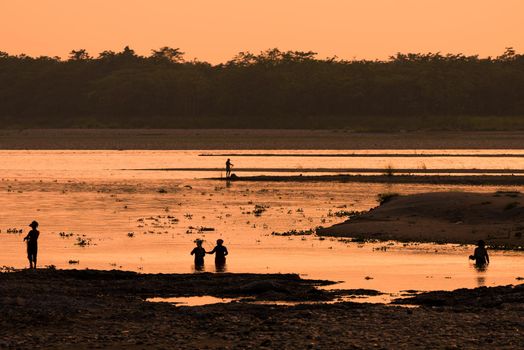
(508, 49)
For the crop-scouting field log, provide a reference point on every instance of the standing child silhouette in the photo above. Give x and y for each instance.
(228, 167)
(32, 244)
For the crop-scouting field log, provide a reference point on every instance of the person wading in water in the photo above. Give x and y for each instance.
(199, 254)
(220, 252)
(32, 244)
(480, 255)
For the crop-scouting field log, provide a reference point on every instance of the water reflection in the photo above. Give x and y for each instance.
(112, 164)
(191, 301)
(220, 266)
(199, 268)
(481, 270)
(78, 192)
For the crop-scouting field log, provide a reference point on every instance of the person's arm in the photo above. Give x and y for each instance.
(212, 252)
(225, 251)
(487, 257)
(27, 236)
(193, 251)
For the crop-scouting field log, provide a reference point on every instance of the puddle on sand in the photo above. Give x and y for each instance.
(209, 300)
(192, 301)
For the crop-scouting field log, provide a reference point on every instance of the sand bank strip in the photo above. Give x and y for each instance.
(442, 217)
(347, 170)
(251, 139)
(502, 180)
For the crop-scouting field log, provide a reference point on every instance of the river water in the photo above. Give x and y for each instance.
(128, 213)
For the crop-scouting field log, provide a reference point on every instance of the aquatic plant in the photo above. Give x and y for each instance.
(359, 240)
(259, 209)
(7, 269)
(383, 198)
(346, 213)
(294, 233)
(14, 230)
(83, 241)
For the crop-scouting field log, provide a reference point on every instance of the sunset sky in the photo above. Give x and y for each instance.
(215, 30)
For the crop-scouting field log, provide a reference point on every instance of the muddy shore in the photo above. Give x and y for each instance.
(495, 180)
(245, 139)
(106, 309)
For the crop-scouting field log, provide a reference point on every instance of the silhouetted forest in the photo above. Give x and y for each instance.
(273, 89)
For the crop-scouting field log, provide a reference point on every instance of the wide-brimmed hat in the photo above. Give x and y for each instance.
(33, 224)
(220, 240)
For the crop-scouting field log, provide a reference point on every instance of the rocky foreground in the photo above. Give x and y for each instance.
(107, 309)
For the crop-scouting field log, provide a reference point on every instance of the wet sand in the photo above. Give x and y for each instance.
(223, 139)
(480, 180)
(445, 217)
(106, 309)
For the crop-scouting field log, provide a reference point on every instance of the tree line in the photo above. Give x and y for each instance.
(272, 89)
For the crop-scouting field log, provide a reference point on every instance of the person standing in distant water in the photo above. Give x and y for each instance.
(199, 254)
(228, 167)
(220, 252)
(32, 244)
(480, 255)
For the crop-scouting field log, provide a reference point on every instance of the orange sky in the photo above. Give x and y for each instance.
(215, 30)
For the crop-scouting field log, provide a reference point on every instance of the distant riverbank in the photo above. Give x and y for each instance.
(253, 139)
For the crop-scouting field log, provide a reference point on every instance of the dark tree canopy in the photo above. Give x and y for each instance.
(272, 89)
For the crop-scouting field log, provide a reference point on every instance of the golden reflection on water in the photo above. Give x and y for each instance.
(84, 193)
(481, 274)
(123, 164)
